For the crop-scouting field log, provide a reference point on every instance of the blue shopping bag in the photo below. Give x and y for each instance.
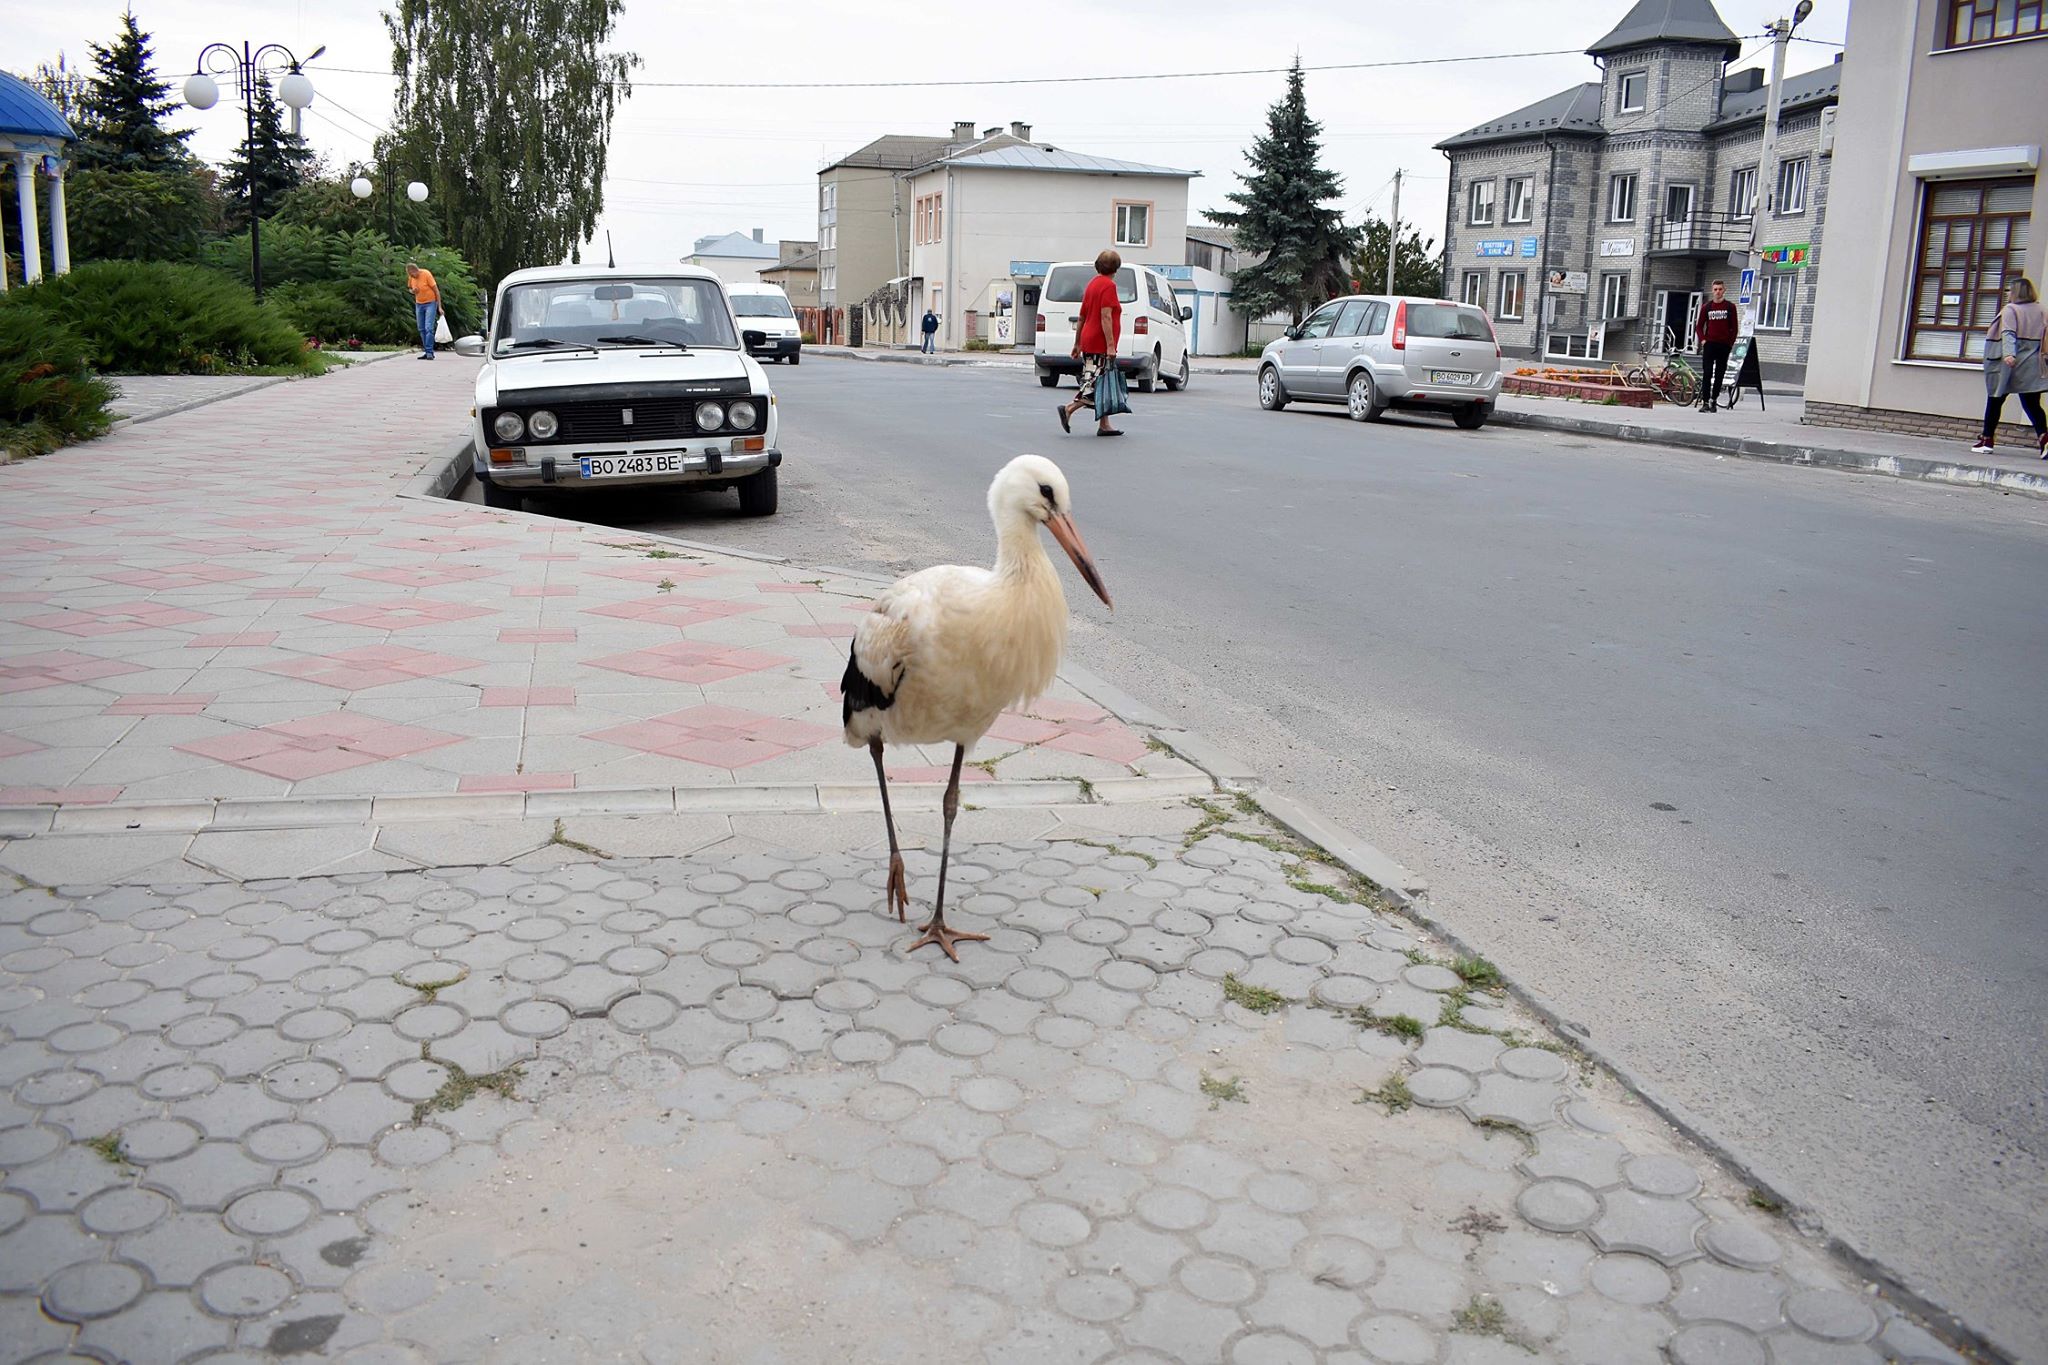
(1112, 395)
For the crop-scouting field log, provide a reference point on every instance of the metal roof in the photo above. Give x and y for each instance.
(1576, 110)
(1026, 157)
(25, 113)
(737, 245)
(807, 261)
(895, 151)
(1808, 88)
(1668, 21)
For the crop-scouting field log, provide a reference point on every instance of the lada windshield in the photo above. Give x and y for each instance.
(613, 312)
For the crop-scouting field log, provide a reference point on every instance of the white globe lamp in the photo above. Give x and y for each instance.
(296, 90)
(200, 91)
(416, 192)
(360, 187)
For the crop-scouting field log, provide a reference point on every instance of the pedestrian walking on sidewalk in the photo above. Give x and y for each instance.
(426, 304)
(931, 332)
(1102, 317)
(2012, 363)
(1717, 326)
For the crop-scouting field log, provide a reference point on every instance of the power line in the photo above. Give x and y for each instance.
(1051, 80)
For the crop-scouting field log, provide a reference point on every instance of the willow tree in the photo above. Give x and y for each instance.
(505, 110)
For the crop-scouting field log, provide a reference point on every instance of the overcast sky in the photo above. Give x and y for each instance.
(690, 162)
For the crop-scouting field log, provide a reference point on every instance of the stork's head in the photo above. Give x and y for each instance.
(1030, 490)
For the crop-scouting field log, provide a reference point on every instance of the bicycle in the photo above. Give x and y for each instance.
(1674, 380)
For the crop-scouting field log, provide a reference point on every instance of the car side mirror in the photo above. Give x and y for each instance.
(753, 338)
(469, 345)
(1186, 312)
(1293, 334)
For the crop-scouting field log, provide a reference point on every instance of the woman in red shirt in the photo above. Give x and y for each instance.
(1102, 316)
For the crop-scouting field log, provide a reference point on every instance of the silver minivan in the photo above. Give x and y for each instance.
(1372, 352)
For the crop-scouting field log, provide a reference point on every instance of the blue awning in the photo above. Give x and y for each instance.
(25, 114)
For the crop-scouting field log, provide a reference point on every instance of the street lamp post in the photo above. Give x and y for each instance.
(1766, 166)
(361, 188)
(249, 67)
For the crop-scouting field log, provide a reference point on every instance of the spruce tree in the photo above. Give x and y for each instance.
(1283, 213)
(274, 160)
(124, 107)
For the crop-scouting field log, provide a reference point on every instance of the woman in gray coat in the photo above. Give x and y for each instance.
(2012, 363)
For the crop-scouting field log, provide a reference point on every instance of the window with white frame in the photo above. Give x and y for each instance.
(1774, 302)
(1614, 294)
(1521, 203)
(1742, 192)
(1791, 187)
(1472, 288)
(828, 281)
(1621, 199)
(931, 219)
(828, 217)
(1634, 91)
(1133, 224)
(1479, 204)
(1511, 282)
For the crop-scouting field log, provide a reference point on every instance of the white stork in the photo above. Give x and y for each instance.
(947, 649)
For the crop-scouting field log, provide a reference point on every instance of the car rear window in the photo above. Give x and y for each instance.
(1065, 283)
(1451, 321)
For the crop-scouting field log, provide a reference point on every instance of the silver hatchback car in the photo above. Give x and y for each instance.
(1372, 352)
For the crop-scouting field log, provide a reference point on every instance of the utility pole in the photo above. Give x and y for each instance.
(1393, 231)
(1767, 167)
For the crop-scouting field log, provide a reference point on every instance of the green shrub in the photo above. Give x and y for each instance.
(48, 392)
(976, 344)
(138, 215)
(318, 310)
(332, 205)
(138, 317)
(364, 268)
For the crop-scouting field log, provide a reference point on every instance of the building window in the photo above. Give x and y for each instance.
(1479, 200)
(1742, 193)
(1621, 199)
(1972, 233)
(1472, 288)
(1614, 294)
(1133, 224)
(1774, 297)
(931, 219)
(1993, 21)
(1521, 199)
(828, 217)
(828, 281)
(1510, 296)
(1791, 188)
(1635, 88)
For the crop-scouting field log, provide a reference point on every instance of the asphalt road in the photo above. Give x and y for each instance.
(1740, 765)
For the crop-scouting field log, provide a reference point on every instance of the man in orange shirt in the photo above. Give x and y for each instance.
(426, 304)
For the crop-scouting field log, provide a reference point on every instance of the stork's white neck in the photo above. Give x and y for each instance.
(1019, 551)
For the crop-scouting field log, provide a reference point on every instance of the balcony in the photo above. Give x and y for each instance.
(1699, 234)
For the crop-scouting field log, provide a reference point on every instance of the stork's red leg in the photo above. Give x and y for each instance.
(899, 883)
(936, 931)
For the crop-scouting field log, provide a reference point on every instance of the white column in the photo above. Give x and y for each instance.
(31, 249)
(60, 226)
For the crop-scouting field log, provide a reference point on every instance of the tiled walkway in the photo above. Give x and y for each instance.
(236, 602)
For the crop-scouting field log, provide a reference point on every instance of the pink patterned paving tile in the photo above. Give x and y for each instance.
(517, 782)
(1119, 746)
(26, 672)
(529, 696)
(35, 545)
(786, 587)
(12, 746)
(1052, 708)
(829, 630)
(177, 576)
(402, 615)
(550, 590)
(58, 796)
(115, 620)
(423, 576)
(529, 635)
(248, 639)
(160, 704)
(938, 774)
(548, 557)
(277, 594)
(691, 661)
(654, 573)
(671, 610)
(1015, 729)
(353, 670)
(298, 749)
(719, 736)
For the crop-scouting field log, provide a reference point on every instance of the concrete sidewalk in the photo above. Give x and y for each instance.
(346, 1011)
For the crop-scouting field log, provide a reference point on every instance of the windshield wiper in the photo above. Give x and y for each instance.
(544, 343)
(644, 341)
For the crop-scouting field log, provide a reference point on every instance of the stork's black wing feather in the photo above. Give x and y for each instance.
(860, 692)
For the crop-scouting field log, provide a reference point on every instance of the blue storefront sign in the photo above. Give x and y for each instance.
(1496, 246)
(1529, 248)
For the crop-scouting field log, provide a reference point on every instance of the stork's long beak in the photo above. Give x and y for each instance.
(1069, 536)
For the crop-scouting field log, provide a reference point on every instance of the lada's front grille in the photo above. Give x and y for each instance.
(644, 419)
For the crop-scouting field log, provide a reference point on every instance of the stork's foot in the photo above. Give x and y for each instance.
(899, 887)
(937, 932)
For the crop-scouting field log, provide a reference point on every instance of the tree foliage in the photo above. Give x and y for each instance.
(123, 107)
(137, 317)
(140, 215)
(331, 204)
(64, 86)
(312, 266)
(1418, 270)
(271, 160)
(504, 109)
(1283, 215)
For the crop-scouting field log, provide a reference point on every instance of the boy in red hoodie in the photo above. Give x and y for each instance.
(1716, 327)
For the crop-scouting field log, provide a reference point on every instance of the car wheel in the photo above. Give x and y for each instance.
(1363, 399)
(504, 499)
(1180, 381)
(757, 494)
(1472, 418)
(796, 357)
(1148, 378)
(1271, 396)
(1048, 379)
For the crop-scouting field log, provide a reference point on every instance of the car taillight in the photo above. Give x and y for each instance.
(1401, 325)
(1138, 328)
(1041, 322)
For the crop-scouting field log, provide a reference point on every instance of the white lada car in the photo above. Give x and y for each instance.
(597, 377)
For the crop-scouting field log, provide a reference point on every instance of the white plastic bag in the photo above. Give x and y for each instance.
(442, 336)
